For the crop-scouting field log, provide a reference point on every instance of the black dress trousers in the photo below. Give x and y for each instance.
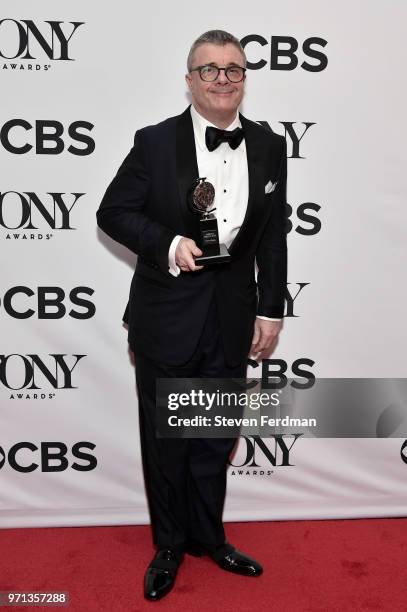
(185, 479)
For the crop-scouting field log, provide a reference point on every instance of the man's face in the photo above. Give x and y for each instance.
(220, 98)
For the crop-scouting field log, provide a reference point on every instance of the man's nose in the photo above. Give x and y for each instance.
(222, 78)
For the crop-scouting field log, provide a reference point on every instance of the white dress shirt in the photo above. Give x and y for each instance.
(227, 170)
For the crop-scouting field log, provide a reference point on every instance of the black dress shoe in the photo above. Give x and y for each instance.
(232, 560)
(161, 573)
(228, 558)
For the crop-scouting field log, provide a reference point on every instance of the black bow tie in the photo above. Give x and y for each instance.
(214, 136)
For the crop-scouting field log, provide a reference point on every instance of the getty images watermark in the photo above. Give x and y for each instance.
(232, 403)
(329, 408)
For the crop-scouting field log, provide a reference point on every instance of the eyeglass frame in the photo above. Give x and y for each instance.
(219, 68)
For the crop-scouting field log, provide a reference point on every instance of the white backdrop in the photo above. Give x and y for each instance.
(126, 70)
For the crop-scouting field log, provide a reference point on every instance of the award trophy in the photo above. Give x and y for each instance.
(200, 199)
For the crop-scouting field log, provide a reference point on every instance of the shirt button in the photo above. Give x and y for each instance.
(224, 191)
(224, 220)
(224, 161)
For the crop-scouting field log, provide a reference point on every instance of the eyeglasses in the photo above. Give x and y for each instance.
(210, 73)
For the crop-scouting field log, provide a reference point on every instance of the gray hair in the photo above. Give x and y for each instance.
(215, 37)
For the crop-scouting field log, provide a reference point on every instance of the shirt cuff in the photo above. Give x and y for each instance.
(172, 266)
(267, 318)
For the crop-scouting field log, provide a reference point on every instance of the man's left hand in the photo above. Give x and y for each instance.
(265, 336)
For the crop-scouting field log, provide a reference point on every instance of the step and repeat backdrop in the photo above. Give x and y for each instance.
(77, 81)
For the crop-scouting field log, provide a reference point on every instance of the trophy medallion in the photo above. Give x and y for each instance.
(201, 197)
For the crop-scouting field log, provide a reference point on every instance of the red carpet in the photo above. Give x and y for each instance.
(313, 566)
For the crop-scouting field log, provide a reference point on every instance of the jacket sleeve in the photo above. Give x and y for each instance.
(122, 213)
(271, 254)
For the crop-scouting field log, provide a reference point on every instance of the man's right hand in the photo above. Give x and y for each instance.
(184, 255)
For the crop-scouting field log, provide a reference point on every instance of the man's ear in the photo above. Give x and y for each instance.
(188, 80)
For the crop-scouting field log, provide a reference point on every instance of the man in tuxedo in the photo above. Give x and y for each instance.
(188, 320)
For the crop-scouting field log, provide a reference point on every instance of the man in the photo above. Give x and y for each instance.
(188, 320)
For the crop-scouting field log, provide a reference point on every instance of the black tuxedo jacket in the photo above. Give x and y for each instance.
(145, 207)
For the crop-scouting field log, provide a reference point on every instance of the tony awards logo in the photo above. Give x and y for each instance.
(200, 201)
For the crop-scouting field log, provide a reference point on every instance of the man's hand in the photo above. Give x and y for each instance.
(265, 336)
(184, 255)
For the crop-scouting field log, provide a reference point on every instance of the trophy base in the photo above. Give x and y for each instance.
(222, 257)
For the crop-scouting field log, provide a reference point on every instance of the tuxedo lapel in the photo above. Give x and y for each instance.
(187, 169)
(256, 186)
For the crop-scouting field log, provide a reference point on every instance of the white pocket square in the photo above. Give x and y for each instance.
(270, 187)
